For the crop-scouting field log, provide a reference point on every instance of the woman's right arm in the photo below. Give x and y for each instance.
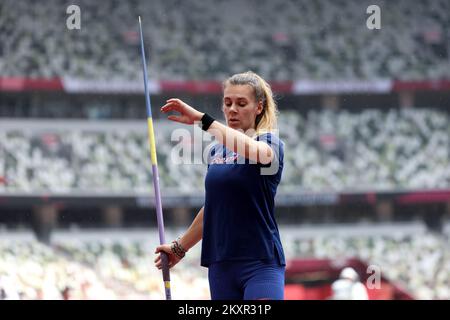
(189, 239)
(195, 232)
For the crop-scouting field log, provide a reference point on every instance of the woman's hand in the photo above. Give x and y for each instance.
(188, 115)
(173, 259)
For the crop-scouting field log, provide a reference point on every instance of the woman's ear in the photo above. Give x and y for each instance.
(259, 108)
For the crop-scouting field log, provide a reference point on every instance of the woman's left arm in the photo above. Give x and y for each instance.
(242, 144)
(232, 139)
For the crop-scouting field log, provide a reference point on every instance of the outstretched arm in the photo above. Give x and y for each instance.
(232, 139)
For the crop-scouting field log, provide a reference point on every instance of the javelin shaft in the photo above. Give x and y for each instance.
(152, 145)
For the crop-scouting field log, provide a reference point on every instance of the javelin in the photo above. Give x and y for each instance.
(151, 139)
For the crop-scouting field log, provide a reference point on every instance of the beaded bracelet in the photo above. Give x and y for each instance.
(177, 249)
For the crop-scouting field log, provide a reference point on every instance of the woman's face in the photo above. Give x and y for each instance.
(239, 106)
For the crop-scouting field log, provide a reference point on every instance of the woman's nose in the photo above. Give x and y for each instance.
(233, 108)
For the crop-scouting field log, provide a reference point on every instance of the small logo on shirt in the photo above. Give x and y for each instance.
(221, 160)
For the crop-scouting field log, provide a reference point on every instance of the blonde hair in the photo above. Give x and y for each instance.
(266, 121)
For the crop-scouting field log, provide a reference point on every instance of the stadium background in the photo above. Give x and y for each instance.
(364, 115)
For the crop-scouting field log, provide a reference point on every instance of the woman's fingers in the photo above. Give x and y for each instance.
(175, 104)
(168, 107)
(158, 261)
(165, 108)
(187, 114)
(172, 259)
(159, 264)
(163, 249)
(175, 100)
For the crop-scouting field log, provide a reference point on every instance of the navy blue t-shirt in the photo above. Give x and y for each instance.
(238, 219)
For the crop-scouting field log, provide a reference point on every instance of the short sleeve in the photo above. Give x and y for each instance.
(212, 151)
(275, 143)
(276, 166)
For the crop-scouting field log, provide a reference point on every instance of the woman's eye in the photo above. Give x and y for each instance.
(242, 104)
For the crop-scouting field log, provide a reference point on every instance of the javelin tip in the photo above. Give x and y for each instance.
(139, 19)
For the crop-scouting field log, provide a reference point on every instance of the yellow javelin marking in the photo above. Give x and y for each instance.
(167, 284)
(151, 138)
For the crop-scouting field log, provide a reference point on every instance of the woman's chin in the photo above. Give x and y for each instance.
(234, 125)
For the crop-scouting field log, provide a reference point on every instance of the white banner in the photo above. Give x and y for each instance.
(73, 85)
(319, 87)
